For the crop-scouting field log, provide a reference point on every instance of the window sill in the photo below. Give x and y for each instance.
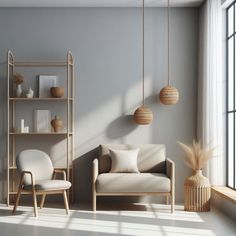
(225, 192)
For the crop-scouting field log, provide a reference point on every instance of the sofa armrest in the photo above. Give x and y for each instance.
(170, 168)
(170, 172)
(95, 170)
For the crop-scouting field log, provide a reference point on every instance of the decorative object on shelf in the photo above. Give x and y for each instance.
(42, 121)
(19, 80)
(23, 128)
(22, 125)
(197, 188)
(46, 82)
(57, 124)
(169, 95)
(26, 129)
(143, 115)
(57, 92)
(30, 93)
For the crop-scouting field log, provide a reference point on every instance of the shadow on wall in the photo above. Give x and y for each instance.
(124, 125)
(121, 127)
(83, 175)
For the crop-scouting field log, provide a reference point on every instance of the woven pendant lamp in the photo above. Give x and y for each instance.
(169, 95)
(143, 115)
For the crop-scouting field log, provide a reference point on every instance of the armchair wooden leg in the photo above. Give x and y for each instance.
(42, 201)
(66, 202)
(167, 200)
(35, 203)
(17, 199)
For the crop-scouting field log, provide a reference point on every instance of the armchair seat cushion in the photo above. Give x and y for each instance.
(132, 183)
(48, 185)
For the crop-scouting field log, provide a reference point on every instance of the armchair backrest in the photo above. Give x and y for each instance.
(37, 162)
(151, 157)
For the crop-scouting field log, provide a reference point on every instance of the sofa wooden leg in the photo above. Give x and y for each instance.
(167, 200)
(172, 204)
(94, 202)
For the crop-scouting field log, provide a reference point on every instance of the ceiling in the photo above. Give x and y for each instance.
(98, 3)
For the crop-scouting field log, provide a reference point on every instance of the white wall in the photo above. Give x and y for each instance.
(106, 44)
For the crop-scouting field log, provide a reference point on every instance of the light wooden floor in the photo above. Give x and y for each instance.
(151, 219)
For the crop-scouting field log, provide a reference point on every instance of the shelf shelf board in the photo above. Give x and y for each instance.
(41, 63)
(40, 99)
(35, 133)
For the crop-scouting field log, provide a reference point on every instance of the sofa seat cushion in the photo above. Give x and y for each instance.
(132, 183)
(48, 185)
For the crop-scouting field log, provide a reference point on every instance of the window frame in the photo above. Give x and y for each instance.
(228, 37)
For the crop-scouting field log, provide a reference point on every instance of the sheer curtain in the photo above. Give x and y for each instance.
(210, 89)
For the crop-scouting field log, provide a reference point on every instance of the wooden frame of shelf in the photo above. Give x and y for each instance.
(12, 64)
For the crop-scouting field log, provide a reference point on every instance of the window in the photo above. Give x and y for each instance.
(231, 96)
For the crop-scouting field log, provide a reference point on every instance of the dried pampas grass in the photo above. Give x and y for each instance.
(18, 78)
(196, 157)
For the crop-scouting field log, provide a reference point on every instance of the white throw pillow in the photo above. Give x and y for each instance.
(124, 161)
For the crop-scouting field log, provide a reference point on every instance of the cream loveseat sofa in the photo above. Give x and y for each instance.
(156, 177)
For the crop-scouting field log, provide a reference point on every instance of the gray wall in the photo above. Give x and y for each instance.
(225, 205)
(106, 44)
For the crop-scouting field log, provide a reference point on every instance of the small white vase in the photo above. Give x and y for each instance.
(18, 90)
(30, 93)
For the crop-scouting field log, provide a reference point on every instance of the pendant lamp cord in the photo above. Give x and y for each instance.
(168, 41)
(143, 51)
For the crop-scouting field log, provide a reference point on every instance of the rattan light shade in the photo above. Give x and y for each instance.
(143, 116)
(169, 95)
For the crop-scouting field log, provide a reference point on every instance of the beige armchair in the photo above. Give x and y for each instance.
(157, 175)
(37, 177)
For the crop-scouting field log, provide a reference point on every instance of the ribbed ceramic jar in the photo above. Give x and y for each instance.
(197, 192)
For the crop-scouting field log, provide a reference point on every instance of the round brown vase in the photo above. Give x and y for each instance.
(57, 92)
(197, 192)
(56, 124)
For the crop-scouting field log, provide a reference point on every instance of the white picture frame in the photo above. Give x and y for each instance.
(45, 84)
(42, 121)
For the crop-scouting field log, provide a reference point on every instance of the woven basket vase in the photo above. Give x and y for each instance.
(197, 193)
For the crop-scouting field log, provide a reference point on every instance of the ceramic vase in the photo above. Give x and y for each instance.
(18, 90)
(197, 192)
(57, 124)
(30, 93)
